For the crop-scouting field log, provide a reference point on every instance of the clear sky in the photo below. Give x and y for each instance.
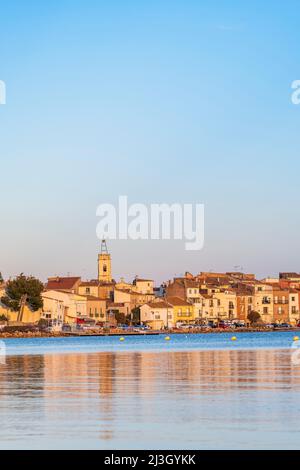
(162, 101)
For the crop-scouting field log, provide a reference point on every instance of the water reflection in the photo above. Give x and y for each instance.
(196, 399)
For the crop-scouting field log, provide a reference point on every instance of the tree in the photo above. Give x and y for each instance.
(119, 316)
(253, 317)
(43, 323)
(136, 315)
(1, 279)
(23, 289)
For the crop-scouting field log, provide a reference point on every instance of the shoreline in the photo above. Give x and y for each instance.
(88, 334)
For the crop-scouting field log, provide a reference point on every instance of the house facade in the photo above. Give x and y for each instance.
(158, 315)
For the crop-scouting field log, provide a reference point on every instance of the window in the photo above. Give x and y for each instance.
(293, 309)
(157, 317)
(265, 311)
(293, 299)
(87, 290)
(105, 268)
(249, 300)
(211, 303)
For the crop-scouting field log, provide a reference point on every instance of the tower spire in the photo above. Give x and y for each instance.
(104, 247)
(104, 264)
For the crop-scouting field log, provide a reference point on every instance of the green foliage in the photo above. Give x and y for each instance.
(43, 323)
(120, 317)
(3, 318)
(136, 314)
(253, 317)
(20, 287)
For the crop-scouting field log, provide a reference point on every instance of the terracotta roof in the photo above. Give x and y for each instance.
(287, 275)
(64, 291)
(126, 291)
(62, 283)
(244, 290)
(177, 301)
(161, 304)
(115, 304)
(212, 274)
(91, 283)
(92, 298)
(191, 283)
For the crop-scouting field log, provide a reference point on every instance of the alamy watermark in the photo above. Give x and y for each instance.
(295, 97)
(2, 92)
(152, 222)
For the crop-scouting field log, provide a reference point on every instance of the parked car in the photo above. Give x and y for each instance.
(184, 326)
(224, 325)
(284, 325)
(239, 324)
(209, 324)
(66, 327)
(126, 327)
(141, 327)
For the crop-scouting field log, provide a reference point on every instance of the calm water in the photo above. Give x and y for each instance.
(199, 391)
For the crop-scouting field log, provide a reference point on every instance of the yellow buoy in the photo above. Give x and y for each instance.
(296, 338)
(122, 339)
(167, 338)
(233, 338)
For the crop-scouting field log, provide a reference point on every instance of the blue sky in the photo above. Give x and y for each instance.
(163, 101)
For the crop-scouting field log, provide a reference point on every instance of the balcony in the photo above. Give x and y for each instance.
(266, 301)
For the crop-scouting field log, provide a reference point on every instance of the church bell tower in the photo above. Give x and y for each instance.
(104, 264)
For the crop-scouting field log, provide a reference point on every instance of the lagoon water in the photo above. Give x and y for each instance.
(192, 392)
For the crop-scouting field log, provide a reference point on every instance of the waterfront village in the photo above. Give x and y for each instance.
(202, 301)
